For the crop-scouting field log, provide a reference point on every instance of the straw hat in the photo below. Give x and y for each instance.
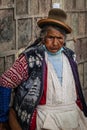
(56, 17)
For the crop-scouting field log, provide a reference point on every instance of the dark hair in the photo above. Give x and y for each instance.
(44, 30)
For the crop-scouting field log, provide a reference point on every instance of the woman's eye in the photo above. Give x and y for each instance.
(50, 37)
(59, 38)
(53, 37)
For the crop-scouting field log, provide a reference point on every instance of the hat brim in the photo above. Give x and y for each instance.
(43, 22)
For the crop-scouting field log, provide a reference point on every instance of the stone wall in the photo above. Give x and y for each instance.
(18, 29)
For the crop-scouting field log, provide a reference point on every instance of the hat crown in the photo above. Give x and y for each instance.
(56, 17)
(57, 14)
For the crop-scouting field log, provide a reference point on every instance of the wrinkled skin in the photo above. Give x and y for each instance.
(54, 40)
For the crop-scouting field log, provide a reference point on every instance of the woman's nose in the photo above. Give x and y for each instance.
(55, 41)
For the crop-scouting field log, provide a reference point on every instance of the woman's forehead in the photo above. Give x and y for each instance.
(54, 32)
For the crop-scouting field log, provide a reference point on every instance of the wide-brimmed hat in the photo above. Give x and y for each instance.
(56, 17)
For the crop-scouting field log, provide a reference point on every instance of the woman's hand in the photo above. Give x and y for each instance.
(13, 123)
(3, 126)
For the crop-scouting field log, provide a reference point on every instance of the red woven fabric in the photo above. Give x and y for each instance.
(16, 74)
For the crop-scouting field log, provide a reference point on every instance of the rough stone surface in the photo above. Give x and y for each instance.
(24, 32)
(80, 4)
(81, 24)
(81, 73)
(85, 95)
(9, 61)
(74, 23)
(85, 23)
(7, 30)
(2, 64)
(68, 4)
(21, 7)
(85, 75)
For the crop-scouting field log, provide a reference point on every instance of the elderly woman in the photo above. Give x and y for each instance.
(48, 93)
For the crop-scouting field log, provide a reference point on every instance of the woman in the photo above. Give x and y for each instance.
(48, 95)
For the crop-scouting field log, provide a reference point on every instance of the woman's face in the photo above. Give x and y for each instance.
(54, 40)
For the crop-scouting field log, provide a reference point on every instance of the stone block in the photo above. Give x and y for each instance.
(78, 50)
(39, 6)
(21, 7)
(7, 30)
(9, 61)
(81, 49)
(24, 32)
(85, 95)
(81, 73)
(69, 22)
(85, 75)
(69, 18)
(81, 24)
(70, 44)
(86, 23)
(8, 3)
(67, 4)
(80, 4)
(0, 2)
(86, 4)
(56, 1)
(37, 29)
(34, 7)
(84, 49)
(2, 65)
(42, 7)
(74, 24)
(74, 4)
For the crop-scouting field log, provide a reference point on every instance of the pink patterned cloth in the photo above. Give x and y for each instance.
(16, 74)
